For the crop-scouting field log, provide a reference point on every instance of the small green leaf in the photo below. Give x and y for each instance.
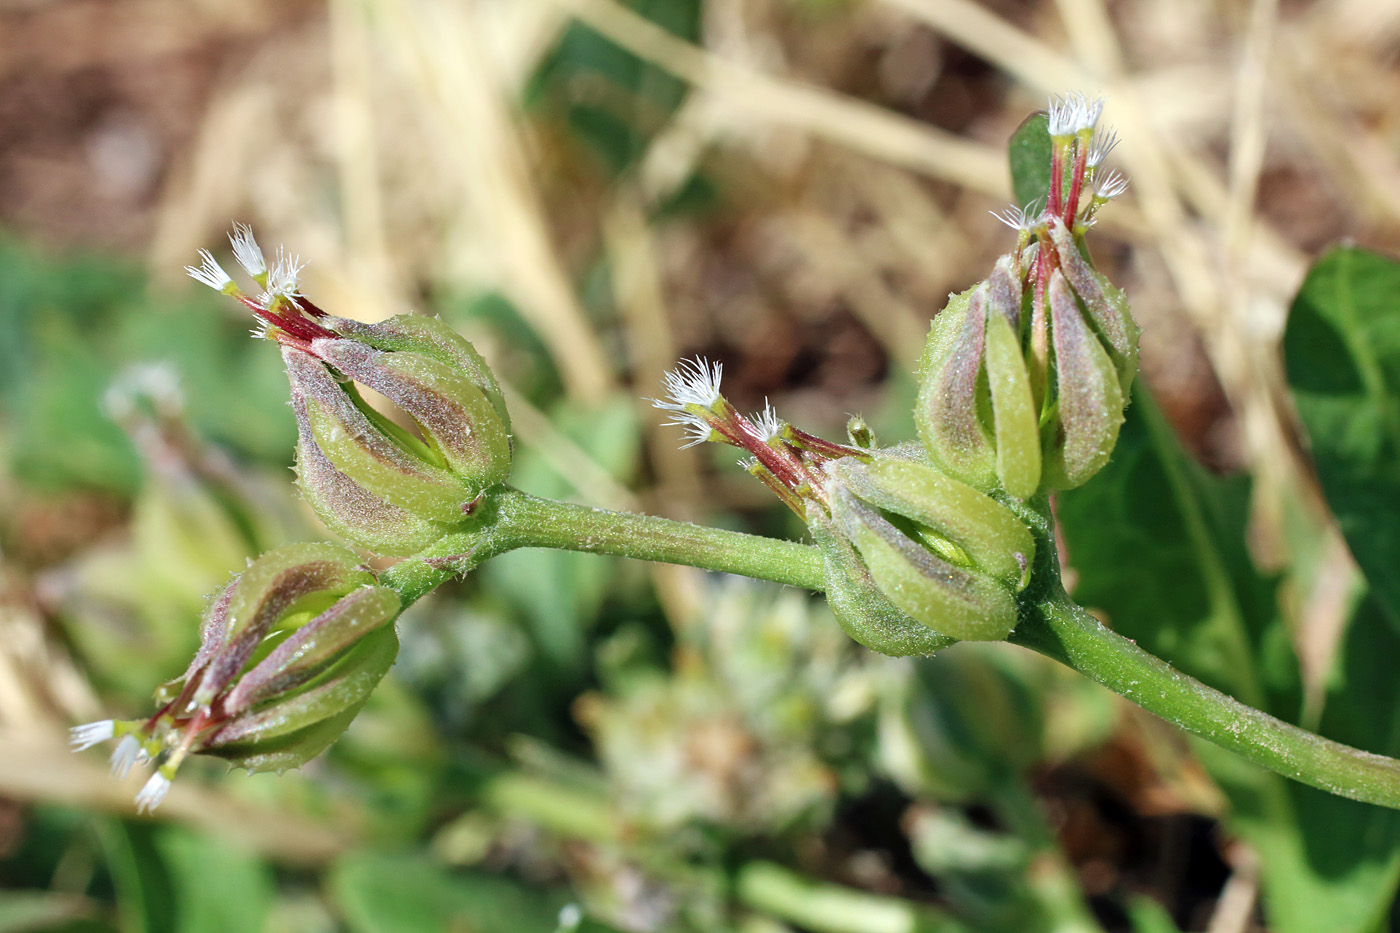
(380, 893)
(1342, 351)
(1030, 159)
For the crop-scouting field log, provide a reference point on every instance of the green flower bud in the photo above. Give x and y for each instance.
(1031, 402)
(289, 652)
(381, 486)
(946, 555)
(859, 605)
(976, 412)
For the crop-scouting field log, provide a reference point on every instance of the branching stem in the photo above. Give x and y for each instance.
(1050, 623)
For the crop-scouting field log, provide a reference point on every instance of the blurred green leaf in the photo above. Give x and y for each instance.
(611, 99)
(145, 900)
(1342, 351)
(1148, 916)
(381, 893)
(1030, 159)
(217, 887)
(71, 324)
(1159, 545)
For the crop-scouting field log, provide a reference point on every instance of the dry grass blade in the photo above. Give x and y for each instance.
(824, 114)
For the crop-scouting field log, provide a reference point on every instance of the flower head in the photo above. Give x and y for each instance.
(288, 652)
(248, 253)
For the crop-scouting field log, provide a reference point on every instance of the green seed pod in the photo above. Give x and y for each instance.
(1105, 306)
(291, 729)
(373, 451)
(289, 652)
(461, 427)
(949, 412)
(979, 529)
(430, 336)
(1015, 423)
(863, 610)
(927, 577)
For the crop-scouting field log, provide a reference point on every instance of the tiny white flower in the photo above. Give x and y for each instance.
(569, 917)
(209, 272)
(1102, 144)
(1020, 219)
(152, 793)
(90, 734)
(1112, 185)
(1073, 113)
(284, 281)
(697, 431)
(247, 251)
(767, 423)
(127, 753)
(693, 382)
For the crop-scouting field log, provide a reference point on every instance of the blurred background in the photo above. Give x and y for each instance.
(592, 190)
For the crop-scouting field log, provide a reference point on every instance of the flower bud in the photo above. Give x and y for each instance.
(379, 485)
(289, 651)
(946, 555)
(914, 558)
(975, 411)
(1031, 402)
(859, 605)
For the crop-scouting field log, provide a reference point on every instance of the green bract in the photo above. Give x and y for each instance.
(372, 481)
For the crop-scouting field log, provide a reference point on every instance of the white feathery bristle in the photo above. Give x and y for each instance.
(1100, 146)
(247, 251)
(693, 382)
(767, 423)
(1112, 185)
(152, 793)
(1020, 219)
(209, 272)
(697, 431)
(284, 281)
(127, 753)
(1073, 113)
(90, 734)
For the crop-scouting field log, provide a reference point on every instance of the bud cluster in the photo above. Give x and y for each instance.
(915, 559)
(1025, 376)
(390, 489)
(289, 652)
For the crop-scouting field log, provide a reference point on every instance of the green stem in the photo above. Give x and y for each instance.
(1053, 625)
(507, 519)
(1050, 622)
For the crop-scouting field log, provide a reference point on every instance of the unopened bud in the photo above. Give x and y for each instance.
(976, 411)
(947, 555)
(1025, 376)
(289, 651)
(380, 485)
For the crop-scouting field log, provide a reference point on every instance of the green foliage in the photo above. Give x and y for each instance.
(1158, 544)
(1030, 159)
(382, 893)
(1342, 351)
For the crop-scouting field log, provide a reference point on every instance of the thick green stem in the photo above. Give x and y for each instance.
(1049, 622)
(1053, 625)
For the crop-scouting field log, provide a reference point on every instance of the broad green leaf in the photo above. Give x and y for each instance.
(1030, 159)
(380, 893)
(1342, 350)
(1158, 544)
